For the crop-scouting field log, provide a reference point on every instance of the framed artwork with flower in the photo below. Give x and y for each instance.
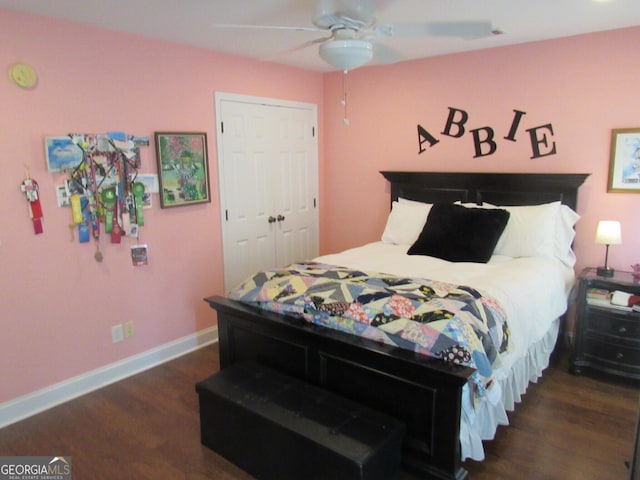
(624, 166)
(183, 168)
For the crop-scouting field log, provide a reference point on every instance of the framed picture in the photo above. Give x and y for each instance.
(183, 169)
(624, 166)
(62, 154)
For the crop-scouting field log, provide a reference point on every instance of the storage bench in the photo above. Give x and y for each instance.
(277, 427)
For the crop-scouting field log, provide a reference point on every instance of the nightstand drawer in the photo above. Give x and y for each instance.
(610, 352)
(611, 324)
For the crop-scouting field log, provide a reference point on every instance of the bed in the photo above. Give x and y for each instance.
(446, 422)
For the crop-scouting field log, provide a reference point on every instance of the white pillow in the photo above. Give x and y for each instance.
(537, 230)
(530, 231)
(565, 235)
(405, 222)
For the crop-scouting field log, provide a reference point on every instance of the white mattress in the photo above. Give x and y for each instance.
(533, 292)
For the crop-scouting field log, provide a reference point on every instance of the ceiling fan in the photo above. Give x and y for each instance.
(350, 27)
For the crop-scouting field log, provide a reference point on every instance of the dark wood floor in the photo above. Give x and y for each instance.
(147, 427)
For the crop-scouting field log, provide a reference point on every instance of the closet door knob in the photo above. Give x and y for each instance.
(271, 219)
(280, 218)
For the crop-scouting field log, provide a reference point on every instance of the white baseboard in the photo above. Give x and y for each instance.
(40, 400)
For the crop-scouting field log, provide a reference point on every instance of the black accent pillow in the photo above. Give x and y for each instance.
(459, 234)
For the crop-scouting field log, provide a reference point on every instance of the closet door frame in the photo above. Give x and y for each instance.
(226, 192)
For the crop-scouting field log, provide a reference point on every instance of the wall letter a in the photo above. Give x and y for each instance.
(424, 136)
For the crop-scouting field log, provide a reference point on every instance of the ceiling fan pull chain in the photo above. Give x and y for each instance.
(345, 120)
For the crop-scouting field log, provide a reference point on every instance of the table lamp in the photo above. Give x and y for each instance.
(608, 233)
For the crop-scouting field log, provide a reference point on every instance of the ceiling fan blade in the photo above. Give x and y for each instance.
(386, 55)
(467, 30)
(269, 27)
(302, 46)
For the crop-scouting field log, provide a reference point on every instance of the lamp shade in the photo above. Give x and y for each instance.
(346, 54)
(609, 233)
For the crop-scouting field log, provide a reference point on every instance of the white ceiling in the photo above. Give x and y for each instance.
(191, 22)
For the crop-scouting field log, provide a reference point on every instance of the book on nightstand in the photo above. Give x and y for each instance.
(615, 300)
(598, 294)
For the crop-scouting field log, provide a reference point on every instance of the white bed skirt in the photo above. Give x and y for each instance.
(481, 422)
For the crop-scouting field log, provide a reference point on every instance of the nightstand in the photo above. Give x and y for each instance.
(607, 338)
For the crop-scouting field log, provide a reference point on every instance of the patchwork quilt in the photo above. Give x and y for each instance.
(454, 323)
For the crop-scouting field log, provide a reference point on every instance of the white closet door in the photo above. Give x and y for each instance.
(267, 157)
(295, 188)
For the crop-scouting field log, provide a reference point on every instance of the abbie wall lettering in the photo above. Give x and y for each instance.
(484, 142)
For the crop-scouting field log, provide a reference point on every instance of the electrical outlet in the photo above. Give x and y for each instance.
(117, 335)
(128, 329)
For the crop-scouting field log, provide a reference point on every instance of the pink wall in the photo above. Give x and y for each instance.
(584, 86)
(57, 305)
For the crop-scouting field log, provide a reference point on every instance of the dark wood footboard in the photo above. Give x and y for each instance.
(423, 392)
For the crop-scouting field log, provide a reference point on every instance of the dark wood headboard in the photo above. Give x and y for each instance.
(495, 188)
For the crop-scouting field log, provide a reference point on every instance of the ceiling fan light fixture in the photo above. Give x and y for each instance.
(346, 54)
